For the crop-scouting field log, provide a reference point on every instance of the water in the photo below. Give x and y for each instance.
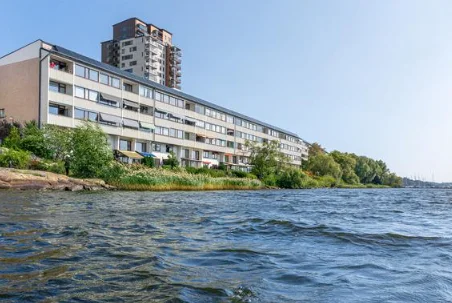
(248, 246)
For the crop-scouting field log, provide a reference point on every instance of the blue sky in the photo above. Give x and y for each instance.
(369, 77)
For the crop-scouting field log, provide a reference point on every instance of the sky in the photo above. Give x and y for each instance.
(368, 77)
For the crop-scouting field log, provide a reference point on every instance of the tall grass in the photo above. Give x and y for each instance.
(161, 179)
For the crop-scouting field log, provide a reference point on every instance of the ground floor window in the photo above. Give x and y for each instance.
(141, 147)
(125, 145)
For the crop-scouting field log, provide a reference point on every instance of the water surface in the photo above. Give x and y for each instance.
(244, 246)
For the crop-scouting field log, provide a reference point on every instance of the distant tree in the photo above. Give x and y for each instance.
(347, 163)
(316, 149)
(324, 165)
(90, 150)
(266, 158)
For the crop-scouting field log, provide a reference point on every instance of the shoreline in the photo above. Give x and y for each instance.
(19, 179)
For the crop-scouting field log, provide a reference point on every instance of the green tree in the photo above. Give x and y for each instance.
(324, 165)
(13, 139)
(58, 141)
(33, 140)
(291, 178)
(90, 150)
(347, 163)
(171, 161)
(267, 159)
(316, 149)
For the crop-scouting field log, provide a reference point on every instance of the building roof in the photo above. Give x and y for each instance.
(114, 70)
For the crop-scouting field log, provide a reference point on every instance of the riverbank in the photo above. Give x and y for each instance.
(19, 179)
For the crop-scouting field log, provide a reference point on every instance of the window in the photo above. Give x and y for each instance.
(92, 116)
(172, 101)
(165, 131)
(93, 75)
(146, 110)
(2, 113)
(80, 71)
(180, 103)
(127, 57)
(156, 147)
(132, 63)
(180, 134)
(85, 115)
(56, 109)
(93, 95)
(125, 145)
(127, 87)
(127, 43)
(133, 49)
(199, 109)
(114, 82)
(80, 92)
(166, 98)
(79, 114)
(141, 147)
(57, 87)
(104, 79)
(205, 154)
(145, 92)
(229, 119)
(172, 132)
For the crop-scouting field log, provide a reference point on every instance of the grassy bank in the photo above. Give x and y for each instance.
(141, 178)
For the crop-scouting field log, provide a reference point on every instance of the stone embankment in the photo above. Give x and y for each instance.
(17, 179)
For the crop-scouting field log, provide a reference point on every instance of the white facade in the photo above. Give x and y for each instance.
(143, 56)
(139, 117)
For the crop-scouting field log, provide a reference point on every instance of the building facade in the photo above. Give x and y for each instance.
(145, 50)
(53, 85)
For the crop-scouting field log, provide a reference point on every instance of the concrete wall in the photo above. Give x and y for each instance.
(19, 89)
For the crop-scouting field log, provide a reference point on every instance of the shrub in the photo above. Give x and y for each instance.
(112, 172)
(270, 180)
(172, 161)
(238, 173)
(327, 181)
(91, 152)
(17, 158)
(291, 178)
(46, 165)
(148, 161)
(13, 139)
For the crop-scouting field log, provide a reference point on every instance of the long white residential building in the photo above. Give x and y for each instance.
(53, 85)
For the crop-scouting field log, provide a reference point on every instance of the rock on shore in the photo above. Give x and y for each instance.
(11, 178)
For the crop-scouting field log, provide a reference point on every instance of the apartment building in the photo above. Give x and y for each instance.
(53, 85)
(145, 50)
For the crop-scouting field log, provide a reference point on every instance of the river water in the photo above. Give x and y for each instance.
(243, 246)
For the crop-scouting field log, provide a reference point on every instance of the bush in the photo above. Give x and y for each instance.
(13, 139)
(17, 158)
(238, 173)
(270, 180)
(148, 161)
(45, 165)
(291, 178)
(112, 172)
(91, 152)
(327, 181)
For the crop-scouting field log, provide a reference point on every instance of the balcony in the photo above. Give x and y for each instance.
(60, 120)
(60, 98)
(60, 75)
